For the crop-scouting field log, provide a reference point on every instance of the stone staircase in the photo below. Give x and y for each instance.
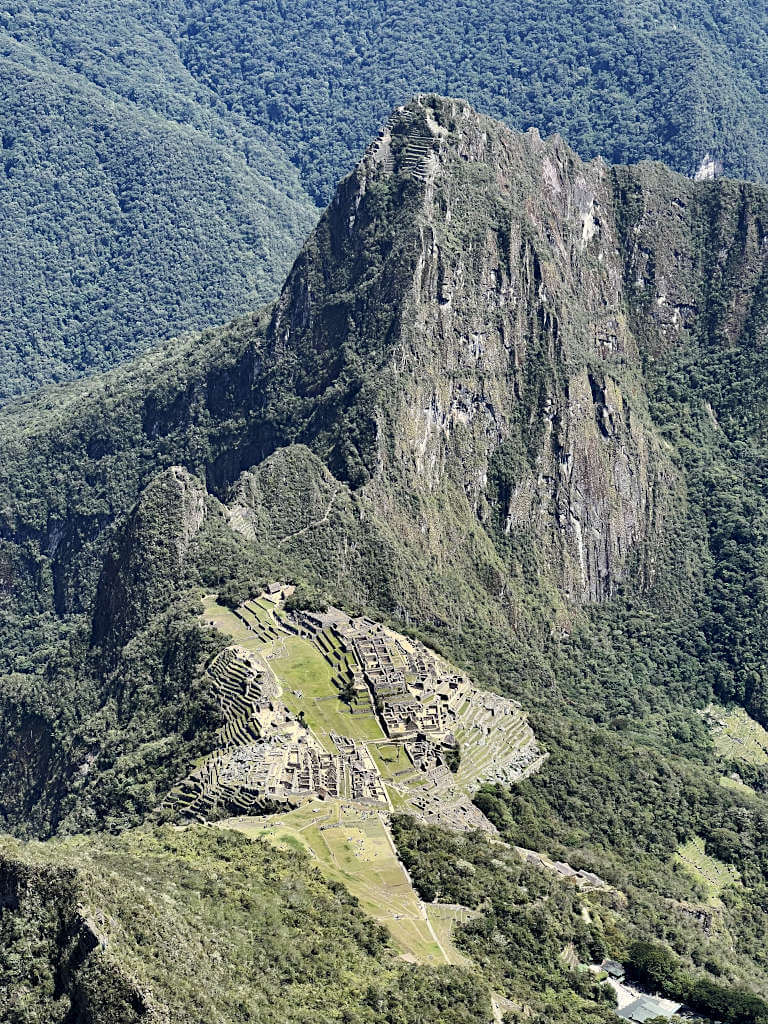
(418, 144)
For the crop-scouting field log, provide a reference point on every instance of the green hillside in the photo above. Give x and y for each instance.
(285, 438)
(124, 929)
(598, 73)
(130, 211)
(162, 164)
(509, 404)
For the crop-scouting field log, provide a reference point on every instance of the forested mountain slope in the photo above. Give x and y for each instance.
(599, 73)
(162, 161)
(118, 930)
(506, 399)
(499, 385)
(130, 210)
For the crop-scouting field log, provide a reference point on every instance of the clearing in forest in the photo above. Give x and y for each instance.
(736, 784)
(737, 736)
(353, 846)
(444, 918)
(712, 873)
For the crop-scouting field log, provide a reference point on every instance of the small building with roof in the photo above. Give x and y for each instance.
(613, 969)
(646, 1008)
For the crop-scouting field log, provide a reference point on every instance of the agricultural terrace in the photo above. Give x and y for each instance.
(737, 785)
(324, 704)
(737, 736)
(710, 872)
(331, 722)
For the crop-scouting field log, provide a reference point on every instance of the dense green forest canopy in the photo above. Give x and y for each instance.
(526, 917)
(162, 163)
(600, 73)
(130, 210)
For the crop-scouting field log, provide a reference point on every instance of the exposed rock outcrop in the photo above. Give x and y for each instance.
(63, 967)
(494, 323)
(472, 407)
(147, 563)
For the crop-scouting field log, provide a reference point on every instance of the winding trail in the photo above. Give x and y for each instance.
(315, 522)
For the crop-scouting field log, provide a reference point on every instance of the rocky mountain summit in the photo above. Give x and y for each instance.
(490, 315)
(458, 412)
(507, 417)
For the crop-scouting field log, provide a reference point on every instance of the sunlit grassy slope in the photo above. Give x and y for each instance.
(220, 927)
(354, 847)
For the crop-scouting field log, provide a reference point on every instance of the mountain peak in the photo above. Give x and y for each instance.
(463, 296)
(431, 129)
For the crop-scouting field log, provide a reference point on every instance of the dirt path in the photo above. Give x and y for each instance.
(422, 905)
(315, 522)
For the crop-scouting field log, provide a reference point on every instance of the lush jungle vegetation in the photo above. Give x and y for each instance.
(105, 549)
(599, 73)
(529, 920)
(161, 163)
(117, 930)
(130, 210)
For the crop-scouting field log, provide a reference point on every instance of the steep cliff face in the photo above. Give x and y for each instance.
(52, 953)
(31, 751)
(464, 342)
(121, 708)
(147, 564)
(499, 385)
(472, 277)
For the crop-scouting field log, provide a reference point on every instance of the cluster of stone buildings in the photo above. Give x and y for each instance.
(288, 766)
(449, 808)
(267, 756)
(413, 691)
(285, 764)
(423, 703)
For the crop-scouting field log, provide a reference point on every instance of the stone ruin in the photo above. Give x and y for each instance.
(266, 757)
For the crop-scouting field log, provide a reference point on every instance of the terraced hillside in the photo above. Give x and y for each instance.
(331, 723)
(737, 736)
(711, 873)
(352, 845)
(323, 705)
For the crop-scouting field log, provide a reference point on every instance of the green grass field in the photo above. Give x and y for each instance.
(736, 785)
(298, 666)
(398, 800)
(228, 623)
(356, 851)
(303, 668)
(740, 738)
(712, 873)
(444, 919)
(390, 758)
